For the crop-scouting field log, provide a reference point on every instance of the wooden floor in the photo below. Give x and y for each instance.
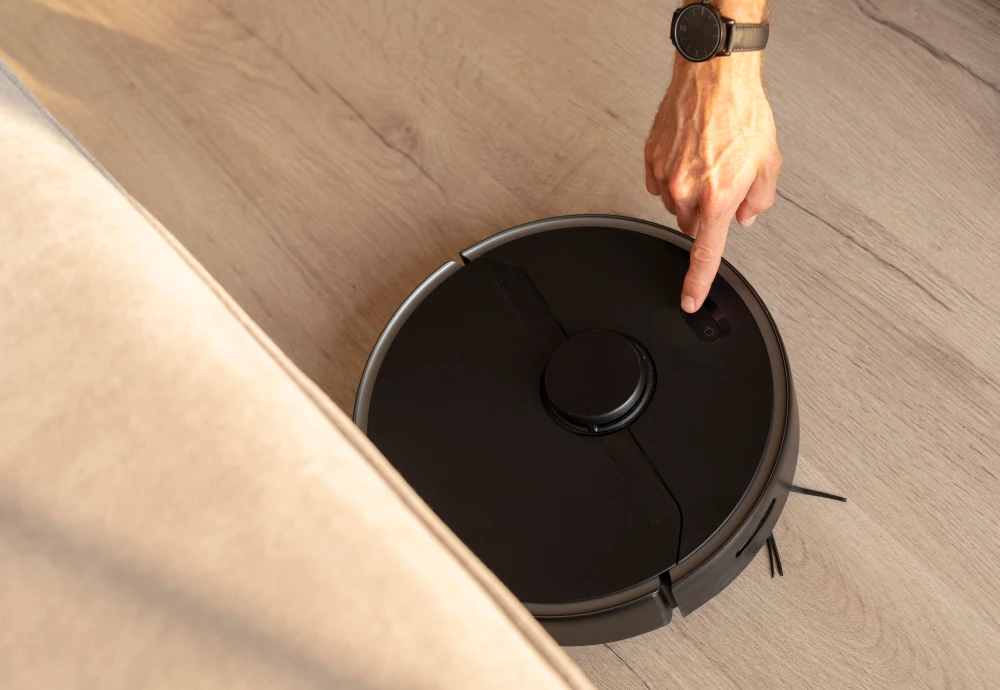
(322, 157)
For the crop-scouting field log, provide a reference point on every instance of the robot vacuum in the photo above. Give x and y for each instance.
(609, 457)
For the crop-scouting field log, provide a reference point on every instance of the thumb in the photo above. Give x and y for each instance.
(760, 196)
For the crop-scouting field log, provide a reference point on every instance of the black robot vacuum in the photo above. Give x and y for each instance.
(609, 457)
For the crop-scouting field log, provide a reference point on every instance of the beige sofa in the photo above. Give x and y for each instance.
(179, 506)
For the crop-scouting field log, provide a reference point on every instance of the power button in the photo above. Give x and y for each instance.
(708, 323)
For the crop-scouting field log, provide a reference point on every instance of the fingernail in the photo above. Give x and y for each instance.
(750, 221)
(687, 304)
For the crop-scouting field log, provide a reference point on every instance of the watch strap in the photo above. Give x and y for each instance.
(746, 37)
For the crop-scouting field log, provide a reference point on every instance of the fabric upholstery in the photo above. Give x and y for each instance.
(179, 506)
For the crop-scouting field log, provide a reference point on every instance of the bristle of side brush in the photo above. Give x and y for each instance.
(777, 557)
(819, 494)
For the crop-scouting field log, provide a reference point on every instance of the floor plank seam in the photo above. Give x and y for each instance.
(388, 144)
(275, 53)
(628, 666)
(868, 9)
(853, 240)
(230, 15)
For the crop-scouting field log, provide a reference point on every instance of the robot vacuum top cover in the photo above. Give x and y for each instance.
(606, 455)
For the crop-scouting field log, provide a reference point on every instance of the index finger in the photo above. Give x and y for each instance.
(706, 254)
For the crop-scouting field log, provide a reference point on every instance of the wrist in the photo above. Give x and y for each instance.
(738, 67)
(738, 50)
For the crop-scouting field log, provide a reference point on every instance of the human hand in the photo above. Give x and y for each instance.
(712, 154)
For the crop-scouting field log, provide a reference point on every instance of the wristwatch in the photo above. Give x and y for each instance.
(700, 33)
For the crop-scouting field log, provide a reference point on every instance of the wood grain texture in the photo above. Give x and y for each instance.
(321, 158)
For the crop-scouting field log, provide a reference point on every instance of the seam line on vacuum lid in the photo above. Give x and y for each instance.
(666, 487)
(526, 301)
(646, 486)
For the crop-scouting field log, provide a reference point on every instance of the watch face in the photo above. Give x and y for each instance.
(697, 32)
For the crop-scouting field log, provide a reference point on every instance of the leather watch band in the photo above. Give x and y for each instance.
(747, 37)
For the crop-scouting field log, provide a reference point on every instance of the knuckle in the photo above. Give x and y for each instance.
(702, 257)
(713, 195)
(679, 187)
